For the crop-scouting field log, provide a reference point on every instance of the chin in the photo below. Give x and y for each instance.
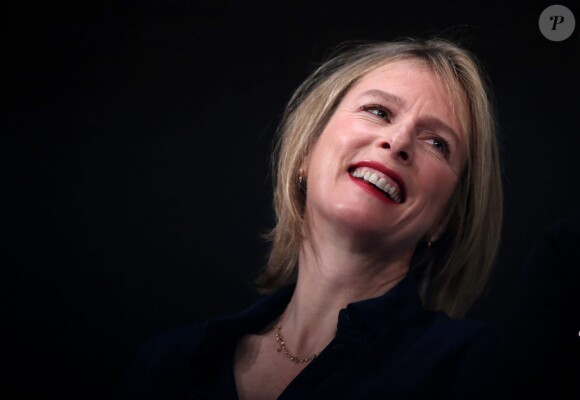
(361, 220)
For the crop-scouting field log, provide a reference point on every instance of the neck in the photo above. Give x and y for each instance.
(332, 275)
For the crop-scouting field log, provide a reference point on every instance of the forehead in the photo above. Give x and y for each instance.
(413, 81)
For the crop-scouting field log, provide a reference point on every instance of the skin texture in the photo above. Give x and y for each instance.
(385, 135)
(359, 245)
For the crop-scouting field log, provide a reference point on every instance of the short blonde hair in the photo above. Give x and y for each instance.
(453, 272)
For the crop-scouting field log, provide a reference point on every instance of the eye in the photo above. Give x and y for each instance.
(440, 144)
(378, 110)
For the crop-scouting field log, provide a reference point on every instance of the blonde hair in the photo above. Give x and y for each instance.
(453, 272)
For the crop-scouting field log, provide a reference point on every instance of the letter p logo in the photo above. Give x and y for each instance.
(557, 23)
(557, 19)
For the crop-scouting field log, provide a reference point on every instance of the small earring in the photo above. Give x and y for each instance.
(300, 176)
(429, 244)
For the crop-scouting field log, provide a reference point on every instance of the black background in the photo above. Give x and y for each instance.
(137, 141)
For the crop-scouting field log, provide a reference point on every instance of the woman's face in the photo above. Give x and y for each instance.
(389, 159)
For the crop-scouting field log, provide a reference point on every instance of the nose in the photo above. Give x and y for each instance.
(399, 144)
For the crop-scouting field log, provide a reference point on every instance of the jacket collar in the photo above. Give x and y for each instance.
(368, 317)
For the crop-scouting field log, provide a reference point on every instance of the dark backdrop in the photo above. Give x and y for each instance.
(136, 153)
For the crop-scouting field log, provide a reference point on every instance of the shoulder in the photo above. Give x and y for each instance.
(468, 332)
(439, 342)
(464, 346)
(161, 362)
(173, 362)
(173, 344)
(468, 347)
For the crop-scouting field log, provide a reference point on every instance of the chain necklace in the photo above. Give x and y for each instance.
(284, 350)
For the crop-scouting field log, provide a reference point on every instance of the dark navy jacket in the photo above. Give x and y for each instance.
(387, 347)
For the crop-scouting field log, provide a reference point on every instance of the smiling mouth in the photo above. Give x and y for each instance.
(378, 180)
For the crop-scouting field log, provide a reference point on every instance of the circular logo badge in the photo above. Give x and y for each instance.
(557, 23)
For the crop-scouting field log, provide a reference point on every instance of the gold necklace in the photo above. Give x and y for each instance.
(284, 350)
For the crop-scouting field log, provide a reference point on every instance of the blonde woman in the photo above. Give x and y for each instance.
(389, 204)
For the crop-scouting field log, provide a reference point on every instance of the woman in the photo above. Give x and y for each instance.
(388, 201)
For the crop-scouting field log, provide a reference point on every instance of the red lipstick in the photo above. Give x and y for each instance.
(395, 177)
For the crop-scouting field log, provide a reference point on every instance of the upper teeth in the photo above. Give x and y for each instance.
(379, 180)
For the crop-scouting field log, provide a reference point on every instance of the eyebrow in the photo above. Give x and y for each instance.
(399, 102)
(385, 96)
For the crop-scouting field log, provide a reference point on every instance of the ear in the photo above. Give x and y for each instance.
(304, 165)
(435, 234)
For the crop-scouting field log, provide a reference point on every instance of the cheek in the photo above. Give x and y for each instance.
(345, 131)
(440, 185)
(332, 147)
